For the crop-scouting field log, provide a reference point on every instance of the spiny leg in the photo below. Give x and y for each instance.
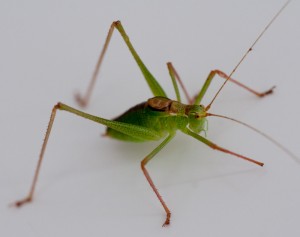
(216, 147)
(143, 166)
(259, 94)
(221, 74)
(83, 101)
(152, 82)
(175, 75)
(28, 198)
(128, 129)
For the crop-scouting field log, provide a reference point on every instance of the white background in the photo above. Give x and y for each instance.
(93, 186)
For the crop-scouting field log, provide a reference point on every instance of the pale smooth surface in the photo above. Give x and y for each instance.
(93, 186)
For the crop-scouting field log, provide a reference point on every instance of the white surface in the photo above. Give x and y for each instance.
(91, 186)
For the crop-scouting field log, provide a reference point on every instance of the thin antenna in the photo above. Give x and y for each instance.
(276, 143)
(248, 51)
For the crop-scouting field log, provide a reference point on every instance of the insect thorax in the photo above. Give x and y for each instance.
(187, 116)
(162, 115)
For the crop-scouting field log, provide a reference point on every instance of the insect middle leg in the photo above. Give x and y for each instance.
(143, 166)
(175, 76)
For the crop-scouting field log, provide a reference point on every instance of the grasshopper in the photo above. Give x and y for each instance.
(158, 118)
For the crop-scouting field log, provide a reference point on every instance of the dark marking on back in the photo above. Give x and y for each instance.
(132, 109)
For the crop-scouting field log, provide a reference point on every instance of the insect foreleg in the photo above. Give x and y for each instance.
(216, 147)
(143, 166)
(152, 82)
(221, 74)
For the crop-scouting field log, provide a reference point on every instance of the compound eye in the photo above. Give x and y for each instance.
(195, 115)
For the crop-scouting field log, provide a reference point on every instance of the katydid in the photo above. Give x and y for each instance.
(158, 117)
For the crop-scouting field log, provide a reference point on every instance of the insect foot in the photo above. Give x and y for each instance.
(21, 202)
(167, 222)
(268, 92)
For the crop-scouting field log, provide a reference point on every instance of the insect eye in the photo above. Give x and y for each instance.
(195, 115)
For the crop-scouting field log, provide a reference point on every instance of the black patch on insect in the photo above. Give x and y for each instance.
(135, 108)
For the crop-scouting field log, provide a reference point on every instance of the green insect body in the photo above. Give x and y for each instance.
(157, 118)
(163, 116)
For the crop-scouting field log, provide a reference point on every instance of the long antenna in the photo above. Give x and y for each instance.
(247, 52)
(276, 143)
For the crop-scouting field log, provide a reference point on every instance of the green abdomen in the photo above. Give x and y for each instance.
(144, 116)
